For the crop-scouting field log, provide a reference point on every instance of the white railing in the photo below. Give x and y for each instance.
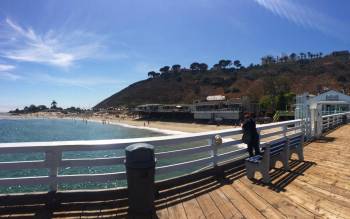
(334, 120)
(176, 155)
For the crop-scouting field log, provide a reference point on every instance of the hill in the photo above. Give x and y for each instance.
(288, 74)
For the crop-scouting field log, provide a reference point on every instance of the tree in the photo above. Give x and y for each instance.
(165, 69)
(152, 74)
(266, 102)
(237, 63)
(32, 108)
(176, 68)
(293, 57)
(223, 64)
(216, 67)
(53, 104)
(203, 67)
(309, 55)
(268, 60)
(42, 107)
(284, 58)
(195, 66)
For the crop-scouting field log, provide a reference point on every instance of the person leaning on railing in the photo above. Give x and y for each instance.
(250, 134)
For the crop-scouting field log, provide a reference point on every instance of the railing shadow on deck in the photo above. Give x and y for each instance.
(325, 139)
(113, 203)
(281, 178)
(64, 204)
(198, 184)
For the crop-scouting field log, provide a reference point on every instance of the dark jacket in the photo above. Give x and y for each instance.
(250, 134)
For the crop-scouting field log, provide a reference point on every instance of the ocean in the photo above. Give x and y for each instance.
(39, 129)
(14, 129)
(33, 130)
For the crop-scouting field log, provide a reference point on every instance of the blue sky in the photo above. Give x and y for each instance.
(79, 52)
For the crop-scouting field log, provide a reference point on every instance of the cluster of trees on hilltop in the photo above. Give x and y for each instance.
(227, 65)
(42, 108)
(223, 65)
(293, 57)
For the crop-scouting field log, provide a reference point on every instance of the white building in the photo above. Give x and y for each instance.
(329, 102)
(215, 109)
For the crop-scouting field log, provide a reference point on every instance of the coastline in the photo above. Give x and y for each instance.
(169, 128)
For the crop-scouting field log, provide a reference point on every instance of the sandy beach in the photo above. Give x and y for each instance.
(166, 127)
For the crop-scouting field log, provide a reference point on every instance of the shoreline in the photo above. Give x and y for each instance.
(168, 128)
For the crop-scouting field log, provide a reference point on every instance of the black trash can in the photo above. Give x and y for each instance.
(140, 170)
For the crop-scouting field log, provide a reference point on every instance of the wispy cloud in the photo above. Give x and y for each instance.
(52, 48)
(5, 72)
(4, 67)
(9, 76)
(84, 82)
(304, 16)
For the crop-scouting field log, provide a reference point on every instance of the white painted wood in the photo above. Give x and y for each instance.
(232, 155)
(284, 130)
(183, 152)
(52, 160)
(183, 165)
(267, 135)
(230, 143)
(294, 128)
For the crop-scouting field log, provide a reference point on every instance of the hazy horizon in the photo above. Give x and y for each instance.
(80, 52)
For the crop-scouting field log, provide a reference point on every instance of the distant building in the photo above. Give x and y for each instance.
(329, 102)
(341, 53)
(213, 108)
(165, 111)
(217, 110)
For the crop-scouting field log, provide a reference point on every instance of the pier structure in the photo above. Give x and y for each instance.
(195, 176)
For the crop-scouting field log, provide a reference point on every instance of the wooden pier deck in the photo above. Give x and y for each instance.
(316, 188)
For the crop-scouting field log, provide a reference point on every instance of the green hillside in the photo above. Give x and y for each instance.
(277, 77)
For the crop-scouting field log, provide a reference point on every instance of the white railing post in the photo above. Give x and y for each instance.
(333, 121)
(303, 132)
(215, 141)
(284, 129)
(213, 151)
(52, 160)
(307, 127)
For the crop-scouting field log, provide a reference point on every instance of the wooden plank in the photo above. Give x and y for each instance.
(325, 186)
(240, 203)
(338, 199)
(187, 195)
(176, 211)
(210, 210)
(312, 202)
(162, 213)
(227, 209)
(193, 209)
(282, 203)
(259, 203)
